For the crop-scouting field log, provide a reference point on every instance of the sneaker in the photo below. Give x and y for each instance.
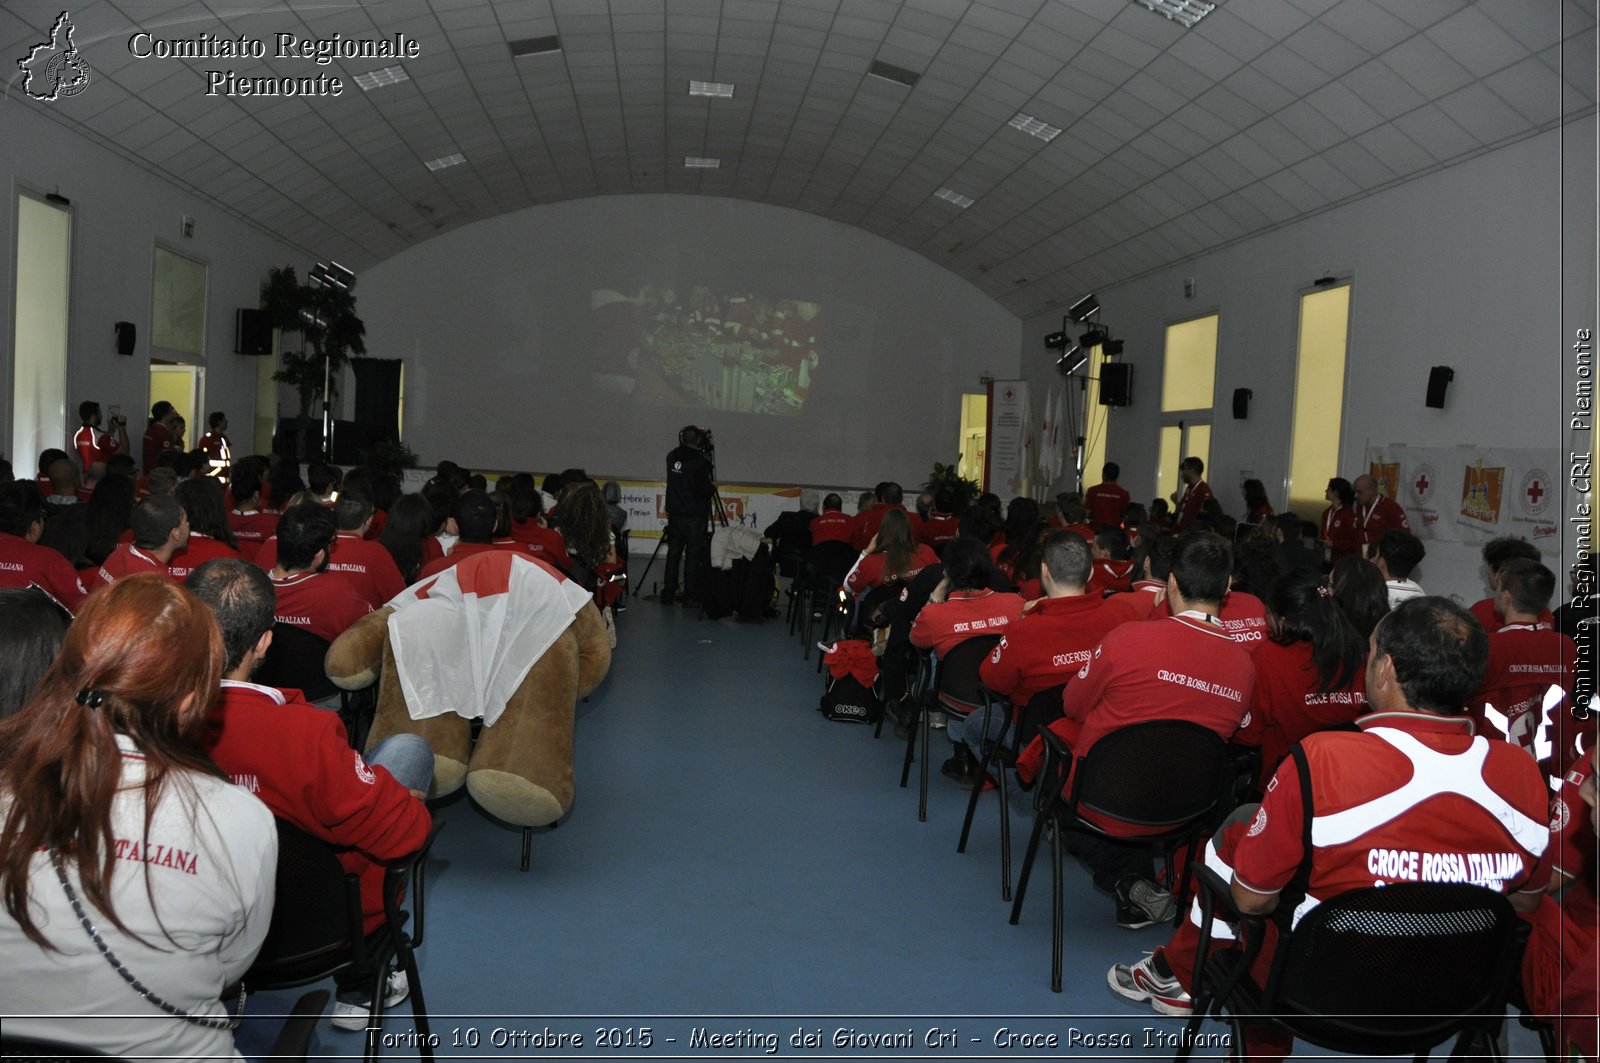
(1141, 983)
(1141, 903)
(352, 1015)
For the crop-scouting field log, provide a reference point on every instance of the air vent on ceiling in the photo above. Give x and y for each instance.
(535, 46)
(1185, 12)
(717, 90)
(377, 79)
(701, 162)
(889, 72)
(952, 196)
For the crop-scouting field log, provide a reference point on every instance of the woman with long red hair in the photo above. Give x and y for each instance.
(136, 881)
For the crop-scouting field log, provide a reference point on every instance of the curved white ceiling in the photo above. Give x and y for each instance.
(1174, 140)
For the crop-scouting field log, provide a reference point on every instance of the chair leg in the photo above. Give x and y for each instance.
(527, 846)
(972, 802)
(922, 798)
(911, 742)
(419, 1008)
(1027, 868)
(1058, 916)
(1005, 838)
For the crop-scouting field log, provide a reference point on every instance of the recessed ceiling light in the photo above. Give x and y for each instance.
(721, 90)
(535, 46)
(889, 72)
(376, 79)
(955, 197)
(1034, 127)
(1187, 12)
(700, 162)
(454, 159)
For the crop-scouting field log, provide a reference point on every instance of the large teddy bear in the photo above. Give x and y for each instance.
(520, 769)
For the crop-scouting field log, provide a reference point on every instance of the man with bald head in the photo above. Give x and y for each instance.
(1376, 514)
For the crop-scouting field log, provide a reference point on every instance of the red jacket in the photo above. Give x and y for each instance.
(1341, 532)
(22, 563)
(942, 626)
(866, 524)
(1285, 705)
(835, 525)
(297, 759)
(1051, 642)
(125, 560)
(199, 550)
(1106, 503)
(1384, 513)
(1190, 503)
(323, 603)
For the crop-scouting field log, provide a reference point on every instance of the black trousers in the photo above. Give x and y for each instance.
(686, 541)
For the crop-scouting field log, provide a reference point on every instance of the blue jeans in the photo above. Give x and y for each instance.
(408, 758)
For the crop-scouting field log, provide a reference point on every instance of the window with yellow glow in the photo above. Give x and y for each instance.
(1188, 374)
(1318, 397)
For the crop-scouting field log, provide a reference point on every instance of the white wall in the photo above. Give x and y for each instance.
(1462, 268)
(119, 212)
(492, 321)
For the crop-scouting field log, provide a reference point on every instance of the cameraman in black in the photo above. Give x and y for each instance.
(689, 489)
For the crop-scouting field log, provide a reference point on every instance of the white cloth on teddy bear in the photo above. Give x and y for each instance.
(465, 639)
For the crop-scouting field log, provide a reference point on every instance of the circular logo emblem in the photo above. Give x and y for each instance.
(363, 772)
(1536, 493)
(1258, 824)
(1422, 484)
(1560, 816)
(67, 74)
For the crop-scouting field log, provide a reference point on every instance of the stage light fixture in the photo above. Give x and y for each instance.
(1112, 348)
(1073, 360)
(1056, 341)
(1081, 310)
(1093, 338)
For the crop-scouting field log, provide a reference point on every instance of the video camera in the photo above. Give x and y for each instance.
(699, 438)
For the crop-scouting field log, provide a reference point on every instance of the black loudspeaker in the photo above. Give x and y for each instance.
(1439, 378)
(252, 333)
(1116, 383)
(127, 336)
(1241, 403)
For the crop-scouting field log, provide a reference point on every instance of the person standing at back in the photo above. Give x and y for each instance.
(688, 509)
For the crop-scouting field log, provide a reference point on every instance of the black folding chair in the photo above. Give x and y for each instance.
(1164, 776)
(830, 564)
(318, 930)
(1378, 971)
(951, 685)
(1001, 751)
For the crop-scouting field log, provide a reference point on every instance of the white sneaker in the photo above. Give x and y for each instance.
(353, 1016)
(1141, 983)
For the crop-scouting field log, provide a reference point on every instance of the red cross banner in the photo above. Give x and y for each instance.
(1472, 494)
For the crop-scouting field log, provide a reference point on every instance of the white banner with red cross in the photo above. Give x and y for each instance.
(1472, 494)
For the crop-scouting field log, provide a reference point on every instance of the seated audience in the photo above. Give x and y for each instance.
(892, 554)
(32, 625)
(1073, 518)
(408, 535)
(22, 560)
(961, 607)
(297, 759)
(1257, 507)
(323, 482)
(1361, 592)
(1527, 657)
(1309, 673)
(941, 523)
(1056, 634)
(311, 598)
(107, 517)
(1483, 798)
(1153, 563)
(160, 530)
(888, 496)
(249, 521)
(528, 524)
(209, 534)
(1113, 562)
(1397, 556)
(586, 529)
(186, 907)
(365, 564)
(1182, 667)
(1497, 553)
(833, 524)
(791, 534)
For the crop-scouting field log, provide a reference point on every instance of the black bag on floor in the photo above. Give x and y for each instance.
(754, 584)
(720, 595)
(846, 701)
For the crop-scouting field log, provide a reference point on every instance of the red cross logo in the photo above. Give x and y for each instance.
(1535, 493)
(1010, 394)
(1422, 485)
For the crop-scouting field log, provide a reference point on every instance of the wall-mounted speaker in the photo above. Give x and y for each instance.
(127, 337)
(1241, 403)
(1116, 383)
(252, 332)
(1439, 378)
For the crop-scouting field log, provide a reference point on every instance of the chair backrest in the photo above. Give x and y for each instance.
(959, 685)
(295, 661)
(1043, 708)
(311, 913)
(830, 563)
(1156, 773)
(1405, 963)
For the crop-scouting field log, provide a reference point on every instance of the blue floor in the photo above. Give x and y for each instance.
(743, 878)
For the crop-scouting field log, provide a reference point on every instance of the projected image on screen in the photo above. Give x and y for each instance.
(706, 349)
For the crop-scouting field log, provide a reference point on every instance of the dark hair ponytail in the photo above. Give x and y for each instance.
(1307, 612)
